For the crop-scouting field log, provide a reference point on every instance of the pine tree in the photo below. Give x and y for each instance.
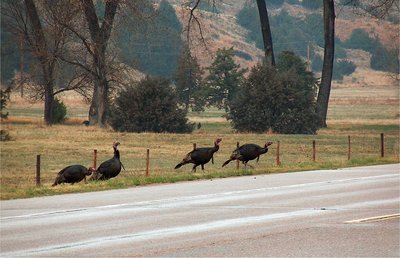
(281, 100)
(224, 79)
(188, 81)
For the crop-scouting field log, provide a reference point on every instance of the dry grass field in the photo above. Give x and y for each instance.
(361, 112)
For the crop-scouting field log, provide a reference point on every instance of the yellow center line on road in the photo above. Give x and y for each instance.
(375, 219)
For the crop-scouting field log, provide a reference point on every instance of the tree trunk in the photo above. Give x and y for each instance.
(41, 52)
(99, 105)
(48, 75)
(266, 32)
(327, 69)
(93, 117)
(99, 36)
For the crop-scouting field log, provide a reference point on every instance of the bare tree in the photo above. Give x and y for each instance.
(376, 8)
(193, 24)
(92, 52)
(327, 68)
(92, 56)
(35, 22)
(383, 8)
(99, 35)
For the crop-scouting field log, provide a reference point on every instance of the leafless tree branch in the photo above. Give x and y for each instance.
(193, 19)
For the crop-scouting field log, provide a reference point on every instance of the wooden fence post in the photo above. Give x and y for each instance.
(313, 146)
(94, 158)
(147, 161)
(349, 149)
(278, 162)
(237, 161)
(382, 145)
(38, 170)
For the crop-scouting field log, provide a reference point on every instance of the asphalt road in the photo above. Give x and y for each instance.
(342, 213)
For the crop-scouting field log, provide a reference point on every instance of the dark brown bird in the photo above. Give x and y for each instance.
(248, 152)
(72, 174)
(109, 168)
(200, 156)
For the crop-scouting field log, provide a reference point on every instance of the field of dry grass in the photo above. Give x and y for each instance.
(362, 112)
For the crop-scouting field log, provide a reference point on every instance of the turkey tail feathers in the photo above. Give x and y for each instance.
(226, 162)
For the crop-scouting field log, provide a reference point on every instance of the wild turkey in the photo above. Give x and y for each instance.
(72, 174)
(248, 152)
(200, 156)
(109, 168)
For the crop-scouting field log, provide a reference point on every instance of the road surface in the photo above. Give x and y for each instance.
(342, 213)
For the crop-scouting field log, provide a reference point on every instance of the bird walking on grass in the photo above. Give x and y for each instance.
(248, 152)
(72, 174)
(200, 156)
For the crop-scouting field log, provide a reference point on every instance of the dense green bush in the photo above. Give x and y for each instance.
(251, 110)
(340, 52)
(243, 55)
(342, 68)
(149, 106)
(298, 112)
(360, 39)
(382, 59)
(281, 100)
(59, 112)
(386, 60)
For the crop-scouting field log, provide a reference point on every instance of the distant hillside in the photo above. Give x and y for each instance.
(222, 30)
(152, 46)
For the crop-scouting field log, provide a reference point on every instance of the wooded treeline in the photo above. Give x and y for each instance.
(90, 47)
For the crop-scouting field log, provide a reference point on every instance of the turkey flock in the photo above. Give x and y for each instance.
(76, 173)
(198, 157)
